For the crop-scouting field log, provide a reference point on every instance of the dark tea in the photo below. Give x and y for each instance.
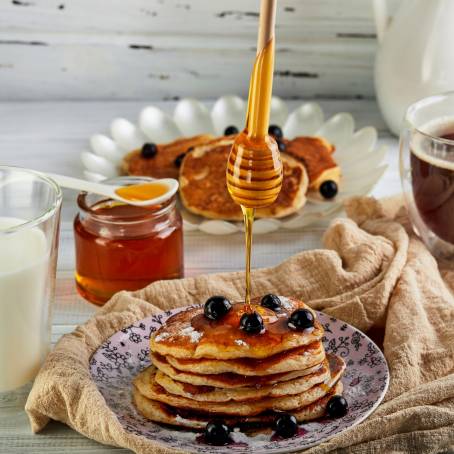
(432, 176)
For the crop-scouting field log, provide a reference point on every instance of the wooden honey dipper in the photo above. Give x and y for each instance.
(254, 168)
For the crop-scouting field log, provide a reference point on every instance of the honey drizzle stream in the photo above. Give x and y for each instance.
(254, 168)
(248, 215)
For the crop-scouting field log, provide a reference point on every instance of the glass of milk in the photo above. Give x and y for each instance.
(29, 225)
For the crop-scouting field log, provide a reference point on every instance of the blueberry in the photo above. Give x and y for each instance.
(179, 159)
(271, 302)
(230, 130)
(286, 425)
(149, 150)
(216, 307)
(275, 131)
(217, 433)
(251, 323)
(301, 319)
(337, 407)
(281, 145)
(328, 189)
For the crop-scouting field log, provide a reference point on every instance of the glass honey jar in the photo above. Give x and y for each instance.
(125, 247)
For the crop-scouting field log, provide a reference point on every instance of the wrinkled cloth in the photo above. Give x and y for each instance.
(373, 273)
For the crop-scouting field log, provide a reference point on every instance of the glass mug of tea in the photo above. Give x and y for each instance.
(427, 171)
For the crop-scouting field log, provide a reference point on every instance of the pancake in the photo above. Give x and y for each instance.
(203, 189)
(152, 390)
(189, 335)
(165, 414)
(297, 358)
(163, 164)
(316, 154)
(227, 380)
(212, 394)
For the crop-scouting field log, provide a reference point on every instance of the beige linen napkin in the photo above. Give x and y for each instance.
(372, 274)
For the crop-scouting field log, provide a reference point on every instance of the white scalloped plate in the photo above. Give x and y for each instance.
(360, 161)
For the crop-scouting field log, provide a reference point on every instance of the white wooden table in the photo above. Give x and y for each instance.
(49, 137)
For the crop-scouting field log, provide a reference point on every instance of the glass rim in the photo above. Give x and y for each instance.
(424, 102)
(49, 212)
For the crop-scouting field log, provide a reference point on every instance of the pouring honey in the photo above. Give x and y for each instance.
(254, 168)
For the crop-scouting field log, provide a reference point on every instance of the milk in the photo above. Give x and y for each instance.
(24, 306)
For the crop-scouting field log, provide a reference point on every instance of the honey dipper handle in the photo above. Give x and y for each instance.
(266, 24)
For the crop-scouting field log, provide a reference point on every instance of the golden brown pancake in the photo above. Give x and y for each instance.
(162, 413)
(163, 164)
(203, 188)
(316, 154)
(227, 380)
(212, 394)
(190, 335)
(149, 388)
(297, 358)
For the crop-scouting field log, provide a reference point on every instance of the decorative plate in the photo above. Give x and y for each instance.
(118, 360)
(356, 153)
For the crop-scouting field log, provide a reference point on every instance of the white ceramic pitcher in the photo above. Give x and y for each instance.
(415, 58)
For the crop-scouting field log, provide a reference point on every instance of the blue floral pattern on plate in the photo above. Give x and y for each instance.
(118, 360)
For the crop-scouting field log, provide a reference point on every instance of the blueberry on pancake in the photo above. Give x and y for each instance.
(161, 160)
(316, 153)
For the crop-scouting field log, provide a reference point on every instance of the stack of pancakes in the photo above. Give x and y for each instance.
(200, 164)
(204, 370)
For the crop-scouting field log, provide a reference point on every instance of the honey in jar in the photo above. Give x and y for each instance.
(125, 247)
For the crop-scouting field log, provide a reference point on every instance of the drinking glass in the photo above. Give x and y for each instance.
(29, 226)
(427, 171)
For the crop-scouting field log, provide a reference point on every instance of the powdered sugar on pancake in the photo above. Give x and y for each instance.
(286, 303)
(161, 337)
(241, 343)
(194, 335)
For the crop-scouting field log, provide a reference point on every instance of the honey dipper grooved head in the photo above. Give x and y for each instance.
(254, 171)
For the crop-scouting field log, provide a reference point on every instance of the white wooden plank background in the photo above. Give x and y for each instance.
(162, 49)
(49, 136)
